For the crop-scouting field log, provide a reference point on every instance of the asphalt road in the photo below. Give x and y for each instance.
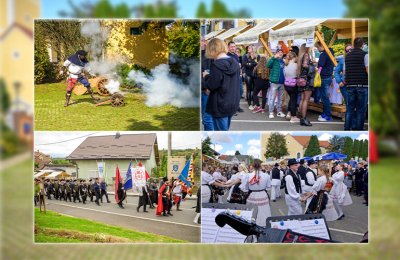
(249, 121)
(350, 229)
(179, 226)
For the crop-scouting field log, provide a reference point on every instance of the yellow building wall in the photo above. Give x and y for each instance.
(148, 49)
(17, 64)
(294, 147)
(26, 11)
(3, 16)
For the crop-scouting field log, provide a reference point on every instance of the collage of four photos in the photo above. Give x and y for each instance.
(201, 131)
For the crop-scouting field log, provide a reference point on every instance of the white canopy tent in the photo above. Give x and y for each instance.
(42, 173)
(213, 34)
(55, 175)
(231, 32)
(252, 36)
(299, 29)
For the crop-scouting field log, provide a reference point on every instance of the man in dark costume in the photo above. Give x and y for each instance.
(68, 191)
(164, 200)
(83, 190)
(76, 64)
(121, 194)
(143, 199)
(103, 186)
(76, 191)
(96, 188)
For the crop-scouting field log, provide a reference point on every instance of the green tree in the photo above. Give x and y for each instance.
(276, 146)
(348, 147)
(312, 147)
(356, 148)
(237, 152)
(360, 148)
(184, 38)
(364, 149)
(206, 147)
(202, 11)
(4, 97)
(336, 143)
(43, 68)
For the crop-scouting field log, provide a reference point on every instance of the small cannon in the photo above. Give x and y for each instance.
(97, 84)
(116, 100)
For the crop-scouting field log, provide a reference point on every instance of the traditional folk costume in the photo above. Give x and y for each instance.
(177, 192)
(311, 178)
(292, 193)
(258, 184)
(217, 176)
(321, 201)
(339, 193)
(276, 183)
(206, 192)
(83, 190)
(238, 192)
(143, 198)
(164, 201)
(76, 65)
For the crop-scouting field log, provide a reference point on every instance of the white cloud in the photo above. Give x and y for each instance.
(221, 138)
(217, 147)
(254, 142)
(286, 132)
(254, 151)
(363, 137)
(230, 152)
(325, 137)
(239, 146)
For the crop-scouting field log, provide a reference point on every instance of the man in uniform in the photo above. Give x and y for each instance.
(83, 190)
(103, 186)
(91, 190)
(76, 64)
(62, 190)
(293, 188)
(56, 189)
(96, 188)
(76, 191)
(68, 191)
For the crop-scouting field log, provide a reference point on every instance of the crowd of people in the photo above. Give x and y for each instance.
(225, 72)
(308, 187)
(165, 195)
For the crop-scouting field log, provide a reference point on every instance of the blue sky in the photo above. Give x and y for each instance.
(249, 142)
(257, 9)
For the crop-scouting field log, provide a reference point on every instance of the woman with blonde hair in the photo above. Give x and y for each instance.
(318, 199)
(261, 83)
(305, 73)
(223, 84)
(238, 186)
(290, 72)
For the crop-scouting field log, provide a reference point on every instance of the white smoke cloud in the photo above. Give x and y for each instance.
(112, 86)
(165, 88)
(99, 65)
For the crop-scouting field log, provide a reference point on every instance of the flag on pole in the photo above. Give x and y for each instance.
(147, 174)
(117, 181)
(128, 179)
(185, 174)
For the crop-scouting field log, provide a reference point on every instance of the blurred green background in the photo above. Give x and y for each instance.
(16, 165)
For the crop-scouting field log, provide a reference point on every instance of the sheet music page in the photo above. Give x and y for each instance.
(212, 233)
(311, 227)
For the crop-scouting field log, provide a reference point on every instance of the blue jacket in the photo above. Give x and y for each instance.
(103, 185)
(339, 73)
(326, 64)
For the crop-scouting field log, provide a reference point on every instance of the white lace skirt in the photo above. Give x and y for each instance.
(260, 199)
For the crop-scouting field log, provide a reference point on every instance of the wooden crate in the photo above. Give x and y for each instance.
(337, 110)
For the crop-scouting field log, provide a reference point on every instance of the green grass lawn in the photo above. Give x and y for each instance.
(54, 227)
(82, 114)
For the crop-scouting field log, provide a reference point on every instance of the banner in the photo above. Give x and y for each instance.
(138, 177)
(184, 176)
(128, 178)
(100, 169)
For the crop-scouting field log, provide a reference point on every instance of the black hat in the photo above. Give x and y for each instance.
(165, 179)
(235, 168)
(311, 161)
(302, 161)
(81, 181)
(292, 162)
(82, 52)
(276, 164)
